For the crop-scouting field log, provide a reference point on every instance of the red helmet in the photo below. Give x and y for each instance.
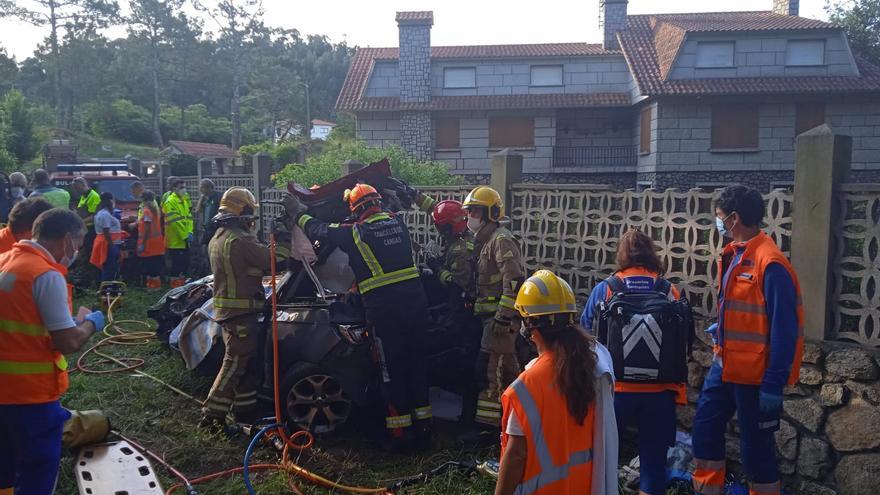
(450, 213)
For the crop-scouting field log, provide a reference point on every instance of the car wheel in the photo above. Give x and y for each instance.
(314, 400)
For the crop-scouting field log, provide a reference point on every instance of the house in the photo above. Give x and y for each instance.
(666, 100)
(211, 157)
(321, 129)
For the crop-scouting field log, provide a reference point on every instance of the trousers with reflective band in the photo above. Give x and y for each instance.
(31, 370)
(559, 460)
(745, 326)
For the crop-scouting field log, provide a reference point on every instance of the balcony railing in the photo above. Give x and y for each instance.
(594, 156)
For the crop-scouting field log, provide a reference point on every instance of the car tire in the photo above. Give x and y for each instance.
(313, 399)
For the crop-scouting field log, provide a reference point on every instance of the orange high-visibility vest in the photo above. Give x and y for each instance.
(6, 240)
(560, 451)
(745, 346)
(155, 245)
(31, 370)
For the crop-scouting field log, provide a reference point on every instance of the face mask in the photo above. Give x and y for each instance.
(181, 191)
(17, 192)
(719, 224)
(474, 224)
(68, 260)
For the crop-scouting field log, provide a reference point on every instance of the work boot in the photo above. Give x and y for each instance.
(215, 426)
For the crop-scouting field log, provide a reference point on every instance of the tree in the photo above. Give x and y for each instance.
(8, 72)
(17, 124)
(58, 15)
(156, 22)
(861, 20)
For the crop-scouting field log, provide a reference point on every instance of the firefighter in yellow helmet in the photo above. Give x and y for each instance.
(238, 262)
(499, 272)
(380, 253)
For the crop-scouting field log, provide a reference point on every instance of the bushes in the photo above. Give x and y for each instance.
(327, 166)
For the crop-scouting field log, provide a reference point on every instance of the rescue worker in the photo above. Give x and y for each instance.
(150, 241)
(86, 207)
(17, 187)
(37, 330)
(380, 254)
(169, 188)
(238, 262)
(759, 344)
(108, 230)
(556, 439)
(57, 197)
(206, 209)
(648, 406)
(499, 273)
(177, 213)
(21, 221)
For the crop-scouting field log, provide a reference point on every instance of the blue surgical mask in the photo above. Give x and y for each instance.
(719, 224)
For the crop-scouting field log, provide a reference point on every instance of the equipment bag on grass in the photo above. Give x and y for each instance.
(648, 334)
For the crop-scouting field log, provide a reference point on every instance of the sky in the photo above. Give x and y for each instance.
(456, 22)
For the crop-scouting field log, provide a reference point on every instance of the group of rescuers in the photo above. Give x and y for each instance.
(557, 418)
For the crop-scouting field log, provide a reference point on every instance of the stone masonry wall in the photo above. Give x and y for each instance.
(379, 129)
(612, 18)
(415, 62)
(786, 7)
(417, 134)
(829, 438)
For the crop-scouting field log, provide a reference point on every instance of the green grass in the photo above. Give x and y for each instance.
(165, 423)
(100, 147)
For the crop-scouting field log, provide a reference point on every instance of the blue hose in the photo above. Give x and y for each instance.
(249, 452)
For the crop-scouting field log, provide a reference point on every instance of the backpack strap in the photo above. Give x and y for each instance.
(616, 284)
(662, 286)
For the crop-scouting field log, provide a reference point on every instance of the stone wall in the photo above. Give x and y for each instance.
(829, 438)
(612, 18)
(379, 129)
(763, 181)
(384, 80)
(786, 7)
(415, 62)
(417, 134)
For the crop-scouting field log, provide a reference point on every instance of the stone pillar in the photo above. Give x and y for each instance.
(506, 171)
(351, 166)
(612, 18)
(262, 170)
(822, 163)
(786, 7)
(416, 127)
(163, 171)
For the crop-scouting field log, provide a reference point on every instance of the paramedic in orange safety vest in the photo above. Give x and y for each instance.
(648, 406)
(759, 343)
(36, 330)
(21, 222)
(551, 444)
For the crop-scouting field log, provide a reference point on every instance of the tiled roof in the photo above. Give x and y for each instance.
(198, 150)
(496, 102)
(362, 63)
(323, 122)
(419, 17)
(651, 42)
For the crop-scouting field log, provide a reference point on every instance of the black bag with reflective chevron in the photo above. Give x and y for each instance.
(648, 334)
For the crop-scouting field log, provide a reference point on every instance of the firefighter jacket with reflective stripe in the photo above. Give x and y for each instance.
(6, 240)
(178, 221)
(744, 324)
(149, 222)
(499, 272)
(31, 370)
(238, 262)
(458, 264)
(560, 451)
(379, 252)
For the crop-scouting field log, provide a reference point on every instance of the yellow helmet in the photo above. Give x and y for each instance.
(544, 293)
(234, 202)
(488, 198)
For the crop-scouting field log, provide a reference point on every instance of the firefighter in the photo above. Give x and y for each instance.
(238, 262)
(380, 254)
(177, 212)
(499, 273)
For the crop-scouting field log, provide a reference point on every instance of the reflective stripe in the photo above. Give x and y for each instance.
(388, 279)
(366, 253)
(169, 222)
(486, 305)
(378, 217)
(303, 220)
(542, 287)
(9, 326)
(232, 303)
(745, 307)
(231, 289)
(26, 368)
(506, 302)
(446, 276)
(745, 336)
(549, 308)
(422, 413)
(768, 488)
(550, 473)
(489, 405)
(392, 422)
(427, 203)
(470, 245)
(484, 413)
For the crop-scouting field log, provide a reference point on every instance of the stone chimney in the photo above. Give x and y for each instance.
(415, 55)
(786, 7)
(612, 18)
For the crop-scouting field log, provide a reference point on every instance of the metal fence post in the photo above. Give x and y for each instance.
(822, 163)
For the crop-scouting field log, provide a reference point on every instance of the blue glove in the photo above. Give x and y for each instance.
(189, 238)
(713, 332)
(769, 403)
(97, 318)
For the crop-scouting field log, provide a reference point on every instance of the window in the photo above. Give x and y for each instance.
(446, 133)
(460, 77)
(805, 52)
(734, 126)
(645, 131)
(546, 75)
(715, 54)
(511, 132)
(809, 114)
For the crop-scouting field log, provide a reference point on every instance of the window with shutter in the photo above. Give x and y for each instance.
(645, 131)
(446, 133)
(460, 77)
(810, 114)
(714, 54)
(511, 132)
(735, 126)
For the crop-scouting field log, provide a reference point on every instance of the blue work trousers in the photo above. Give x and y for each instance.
(30, 446)
(653, 413)
(718, 402)
(110, 270)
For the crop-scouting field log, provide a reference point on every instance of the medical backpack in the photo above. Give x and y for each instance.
(648, 335)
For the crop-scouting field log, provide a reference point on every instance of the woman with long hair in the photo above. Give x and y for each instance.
(556, 439)
(109, 229)
(650, 407)
(151, 242)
